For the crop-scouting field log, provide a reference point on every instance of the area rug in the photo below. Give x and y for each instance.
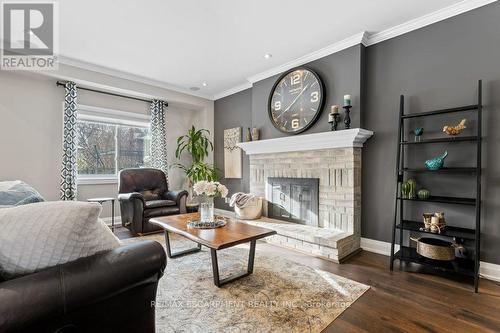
(280, 296)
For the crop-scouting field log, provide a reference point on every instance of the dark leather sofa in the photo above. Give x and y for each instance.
(143, 194)
(108, 292)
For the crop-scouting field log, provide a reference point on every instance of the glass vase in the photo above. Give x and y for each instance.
(207, 210)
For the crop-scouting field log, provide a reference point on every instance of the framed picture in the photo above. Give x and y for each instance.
(232, 153)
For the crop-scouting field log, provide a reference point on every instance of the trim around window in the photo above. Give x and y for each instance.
(97, 180)
(98, 114)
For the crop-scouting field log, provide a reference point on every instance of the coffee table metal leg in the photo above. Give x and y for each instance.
(179, 253)
(215, 267)
(113, 215)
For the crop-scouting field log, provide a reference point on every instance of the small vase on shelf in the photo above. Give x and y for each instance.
(418, 133)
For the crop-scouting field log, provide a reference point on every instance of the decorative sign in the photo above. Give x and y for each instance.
(232, 153)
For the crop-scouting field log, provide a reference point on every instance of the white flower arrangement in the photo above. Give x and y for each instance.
(210, 189)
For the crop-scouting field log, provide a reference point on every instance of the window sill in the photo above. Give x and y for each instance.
(97, 180)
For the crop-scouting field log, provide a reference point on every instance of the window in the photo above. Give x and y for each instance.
(109, 141)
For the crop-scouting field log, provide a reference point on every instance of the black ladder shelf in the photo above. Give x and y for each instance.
(467, 267)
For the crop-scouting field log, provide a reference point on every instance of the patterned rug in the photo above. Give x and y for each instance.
(280, 296)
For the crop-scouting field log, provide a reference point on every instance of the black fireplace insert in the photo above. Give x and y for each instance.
(293, 199)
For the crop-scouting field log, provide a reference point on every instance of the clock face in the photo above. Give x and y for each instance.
(296, 100)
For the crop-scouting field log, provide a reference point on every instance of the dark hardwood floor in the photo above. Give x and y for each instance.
(403, 301)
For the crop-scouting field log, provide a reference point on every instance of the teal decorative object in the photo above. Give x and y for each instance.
(436, 163)
(418, 133)
(412, 190)
(423, 194)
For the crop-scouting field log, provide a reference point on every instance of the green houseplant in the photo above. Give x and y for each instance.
(197, 144)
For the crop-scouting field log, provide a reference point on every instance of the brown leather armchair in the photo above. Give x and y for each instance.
(144, 194)
(112, 291)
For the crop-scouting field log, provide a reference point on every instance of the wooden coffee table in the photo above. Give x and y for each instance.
(233, 233)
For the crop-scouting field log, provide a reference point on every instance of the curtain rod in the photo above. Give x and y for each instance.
(63, 83)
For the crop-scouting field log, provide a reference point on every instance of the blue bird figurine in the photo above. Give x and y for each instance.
(436, 163)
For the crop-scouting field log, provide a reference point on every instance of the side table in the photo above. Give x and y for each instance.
(103, 200)
(192, 208)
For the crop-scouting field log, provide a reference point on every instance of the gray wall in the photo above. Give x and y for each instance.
(232, 111)
(31, 113)
(341, 73)
(435, 67)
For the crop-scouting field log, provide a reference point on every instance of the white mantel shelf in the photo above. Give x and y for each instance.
(354, 137)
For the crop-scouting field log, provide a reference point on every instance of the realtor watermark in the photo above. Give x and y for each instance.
(30, 35)
(268, 304)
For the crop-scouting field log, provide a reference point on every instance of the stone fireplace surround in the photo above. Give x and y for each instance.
(334, 158)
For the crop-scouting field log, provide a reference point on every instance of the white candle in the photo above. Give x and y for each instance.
(347, 99)
(335, 109)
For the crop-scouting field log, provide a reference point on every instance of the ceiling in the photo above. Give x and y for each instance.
(220, 42)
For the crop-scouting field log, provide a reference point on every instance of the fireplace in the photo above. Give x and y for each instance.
(293, 199)
(313, 180)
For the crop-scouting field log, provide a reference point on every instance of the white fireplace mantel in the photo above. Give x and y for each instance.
(354, 137)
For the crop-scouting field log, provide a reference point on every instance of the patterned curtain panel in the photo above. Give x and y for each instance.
(158, 137)
(68, 169)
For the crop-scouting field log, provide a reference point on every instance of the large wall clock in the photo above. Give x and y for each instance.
(296, 100)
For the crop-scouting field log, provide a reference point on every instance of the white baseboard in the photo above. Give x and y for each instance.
(375, 246)
(489, 271)
(486, 270)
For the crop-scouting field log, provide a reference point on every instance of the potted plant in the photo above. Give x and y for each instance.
(207, 191)
(197, 144)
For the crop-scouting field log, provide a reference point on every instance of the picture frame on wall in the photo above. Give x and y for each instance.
(232, 153)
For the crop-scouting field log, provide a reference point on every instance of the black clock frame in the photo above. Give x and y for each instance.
(321, 101)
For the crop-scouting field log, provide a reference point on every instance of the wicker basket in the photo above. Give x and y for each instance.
(251, 211)
(436, 249)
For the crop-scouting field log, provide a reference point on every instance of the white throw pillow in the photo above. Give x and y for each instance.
(46, 234)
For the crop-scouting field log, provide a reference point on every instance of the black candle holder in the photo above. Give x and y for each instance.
(347, 118)
(336, 120)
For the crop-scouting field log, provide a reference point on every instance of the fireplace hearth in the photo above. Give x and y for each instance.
(293, 199)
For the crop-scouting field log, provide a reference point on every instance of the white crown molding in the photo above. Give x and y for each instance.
(232, 90)
(128, 76)
(354, 137)
(356, 39)
(425, 20)
(360, 38)
(486, 270)
(366, 39)
(363, 38)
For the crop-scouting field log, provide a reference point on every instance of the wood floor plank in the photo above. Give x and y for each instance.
(403, 301)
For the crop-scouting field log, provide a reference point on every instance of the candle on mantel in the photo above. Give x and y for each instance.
(334, 110)
(347, 100)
